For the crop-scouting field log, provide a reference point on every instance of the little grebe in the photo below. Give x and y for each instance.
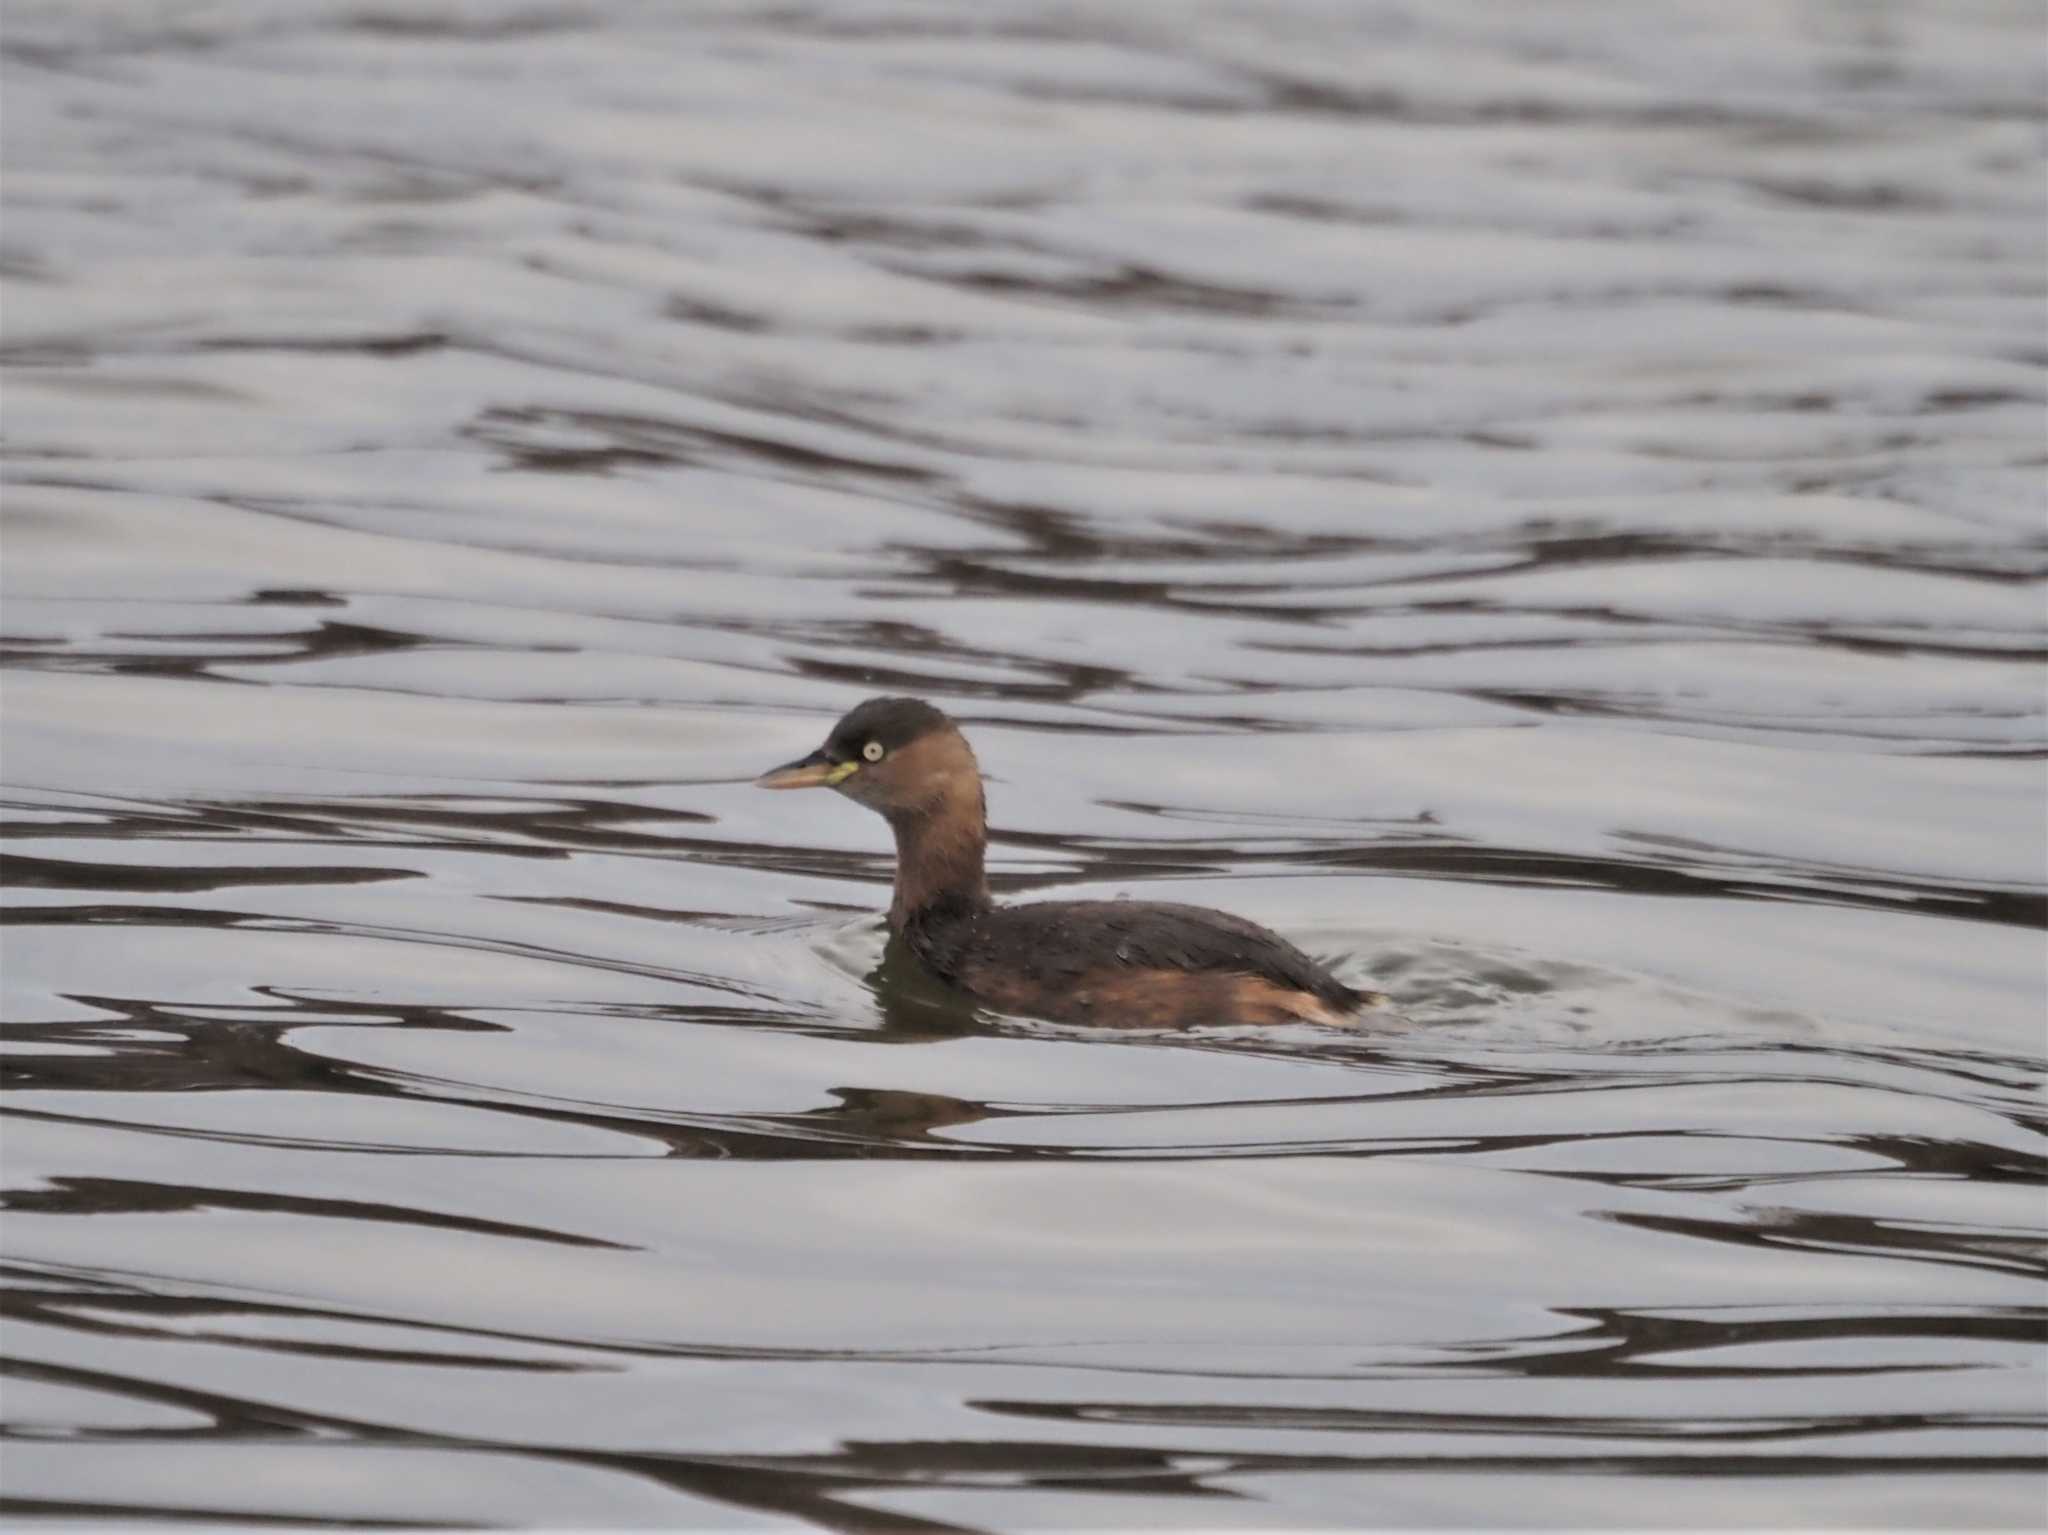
(1150, 963)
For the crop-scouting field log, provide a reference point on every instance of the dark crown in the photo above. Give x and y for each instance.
(895, 722)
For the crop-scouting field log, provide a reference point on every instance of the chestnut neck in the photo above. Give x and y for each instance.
(940, 848)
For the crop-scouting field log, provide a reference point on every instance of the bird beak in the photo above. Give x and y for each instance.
(817, 771)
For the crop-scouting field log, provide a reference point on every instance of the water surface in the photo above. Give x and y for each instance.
(1541, 505)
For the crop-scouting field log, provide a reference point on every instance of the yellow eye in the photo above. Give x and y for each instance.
(872, 751)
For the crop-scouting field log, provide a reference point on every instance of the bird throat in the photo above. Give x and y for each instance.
(940, 847)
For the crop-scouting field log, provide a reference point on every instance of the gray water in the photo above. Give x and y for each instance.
(1541, 504)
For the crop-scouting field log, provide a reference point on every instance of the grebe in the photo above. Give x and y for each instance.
(1153, 964)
